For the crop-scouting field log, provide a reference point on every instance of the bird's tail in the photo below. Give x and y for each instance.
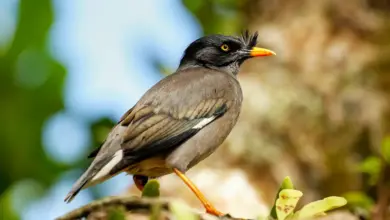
(103, 166)
(80, 184)
(100, 170)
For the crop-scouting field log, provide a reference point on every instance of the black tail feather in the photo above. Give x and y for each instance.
(75, 190)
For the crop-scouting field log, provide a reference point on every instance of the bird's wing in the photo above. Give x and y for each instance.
(150, 132)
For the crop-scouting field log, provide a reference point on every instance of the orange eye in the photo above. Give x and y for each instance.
(225, 47)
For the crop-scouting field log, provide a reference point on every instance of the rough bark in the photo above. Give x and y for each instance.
(133, 208)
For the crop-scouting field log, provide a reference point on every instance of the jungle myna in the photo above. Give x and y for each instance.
(179, 121)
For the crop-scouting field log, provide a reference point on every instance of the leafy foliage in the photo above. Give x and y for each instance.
(31, 84)
(287, 200)
(28, 104)
(221, 16)
(151, 189)
(385, 150)
(286, 184)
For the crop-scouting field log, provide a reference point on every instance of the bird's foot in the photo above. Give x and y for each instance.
(213, 211)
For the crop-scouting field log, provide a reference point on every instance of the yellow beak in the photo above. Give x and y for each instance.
(261, 52)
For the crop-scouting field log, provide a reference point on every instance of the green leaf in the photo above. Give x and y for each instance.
(371, 165)
(285, 204)
(117, 213)
(359, 199)
(386, 149)
(286, 184)
(151, 189)
(181, 212)
(318, 208)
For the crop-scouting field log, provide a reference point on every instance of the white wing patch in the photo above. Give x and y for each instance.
(108, 167)
(204, 122)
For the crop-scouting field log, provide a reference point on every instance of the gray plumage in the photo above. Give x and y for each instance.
(181, 120)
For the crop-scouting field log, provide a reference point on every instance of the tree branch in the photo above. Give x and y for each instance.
(131, 206)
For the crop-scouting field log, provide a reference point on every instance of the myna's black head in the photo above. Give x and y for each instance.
(222, 52)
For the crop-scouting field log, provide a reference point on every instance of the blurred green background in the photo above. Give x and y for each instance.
(318, 112)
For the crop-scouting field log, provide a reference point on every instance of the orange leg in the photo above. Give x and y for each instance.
(140, 181)
(208, 206)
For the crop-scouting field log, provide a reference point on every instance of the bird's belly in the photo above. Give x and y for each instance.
(151, 167)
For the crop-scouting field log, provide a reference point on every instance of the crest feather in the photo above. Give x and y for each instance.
(249, 39)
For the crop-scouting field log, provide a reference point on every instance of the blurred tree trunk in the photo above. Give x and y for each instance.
(313, 112)
(317, 110)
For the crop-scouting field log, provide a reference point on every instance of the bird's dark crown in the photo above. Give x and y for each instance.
(219, 51)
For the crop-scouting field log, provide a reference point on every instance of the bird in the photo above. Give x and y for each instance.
(180, 120)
